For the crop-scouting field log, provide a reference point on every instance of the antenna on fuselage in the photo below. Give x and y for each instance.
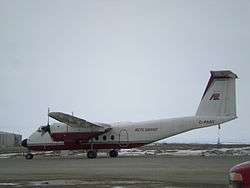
(48, 116)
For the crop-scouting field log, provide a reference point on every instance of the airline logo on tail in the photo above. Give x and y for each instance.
(215, 97)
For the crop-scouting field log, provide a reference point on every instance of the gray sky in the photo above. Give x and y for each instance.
(121, 61)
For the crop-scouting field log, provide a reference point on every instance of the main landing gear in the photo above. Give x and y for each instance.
(92, 154)
(29, 156)
(113, 153)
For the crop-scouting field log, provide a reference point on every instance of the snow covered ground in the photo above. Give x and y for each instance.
(189, 152)
(153, 151)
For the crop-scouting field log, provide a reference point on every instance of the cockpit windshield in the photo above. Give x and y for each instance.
(39, 129)
(44, 129)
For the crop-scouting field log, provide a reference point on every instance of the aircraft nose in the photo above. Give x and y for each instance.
(24, 143)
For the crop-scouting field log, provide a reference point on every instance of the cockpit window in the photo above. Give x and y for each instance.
(39, 130)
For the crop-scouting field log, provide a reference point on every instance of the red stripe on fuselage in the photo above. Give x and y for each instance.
(74, 136)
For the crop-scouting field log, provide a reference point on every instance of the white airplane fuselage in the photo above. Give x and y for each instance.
(122, 135)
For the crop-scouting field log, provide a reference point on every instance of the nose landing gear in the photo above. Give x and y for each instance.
(29, 156)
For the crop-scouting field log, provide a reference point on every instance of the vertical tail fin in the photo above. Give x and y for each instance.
(219, 96)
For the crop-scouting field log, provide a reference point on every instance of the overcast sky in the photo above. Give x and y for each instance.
(121, 61)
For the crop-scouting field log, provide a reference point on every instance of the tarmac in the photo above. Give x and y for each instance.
(121, 172)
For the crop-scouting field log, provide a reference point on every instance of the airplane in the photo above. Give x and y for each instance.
(217, 106)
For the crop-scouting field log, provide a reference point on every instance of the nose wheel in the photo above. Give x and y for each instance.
(29, 156)
(113, 153)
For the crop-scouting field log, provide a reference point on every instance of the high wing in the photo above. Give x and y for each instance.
(77, 122)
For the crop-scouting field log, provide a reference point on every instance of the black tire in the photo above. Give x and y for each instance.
(113, 153)
(92, 154)
(29, 156)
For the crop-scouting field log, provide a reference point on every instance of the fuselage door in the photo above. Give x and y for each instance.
(123, 138)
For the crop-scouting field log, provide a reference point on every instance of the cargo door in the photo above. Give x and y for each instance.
(123, 138)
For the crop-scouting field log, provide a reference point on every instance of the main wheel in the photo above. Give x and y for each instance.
(113, 153)
(91, 154)
(29, 156)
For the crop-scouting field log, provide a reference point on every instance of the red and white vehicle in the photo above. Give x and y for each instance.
(239, 176)
(216, 107)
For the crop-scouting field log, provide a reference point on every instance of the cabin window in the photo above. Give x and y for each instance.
(112, 137)
(97, 138)
(104, 137)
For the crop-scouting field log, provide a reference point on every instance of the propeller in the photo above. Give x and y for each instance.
(46, 128)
